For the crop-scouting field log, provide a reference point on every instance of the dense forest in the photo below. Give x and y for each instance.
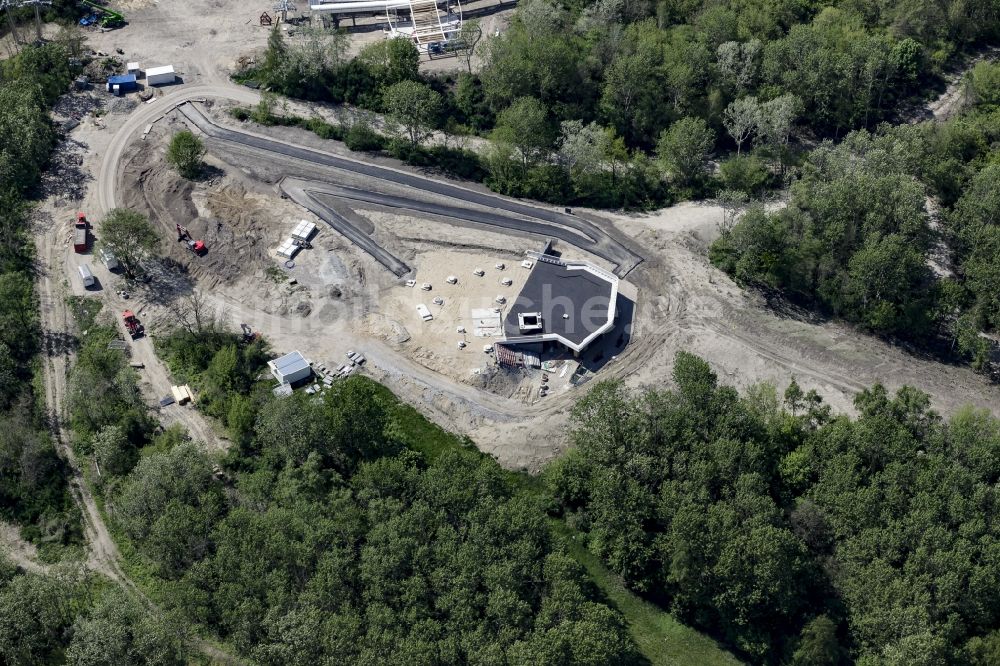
(617, 103)
(344, 529)
(66, 616)
(33, 491)
(799, 536)
(897, 229)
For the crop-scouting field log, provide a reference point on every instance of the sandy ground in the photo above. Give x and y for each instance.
(682, 303)
(20, 552)
(435, 343)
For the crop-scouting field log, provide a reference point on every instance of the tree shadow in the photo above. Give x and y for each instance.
(208, 173)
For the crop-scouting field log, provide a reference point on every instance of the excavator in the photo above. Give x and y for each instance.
(196, 246)
(103, 16)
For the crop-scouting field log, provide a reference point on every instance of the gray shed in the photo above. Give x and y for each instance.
(290, 368)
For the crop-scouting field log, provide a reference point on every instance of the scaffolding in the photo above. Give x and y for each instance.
(431, 24)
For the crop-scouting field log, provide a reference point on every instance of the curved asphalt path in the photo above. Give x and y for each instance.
(301, 192)
(568, 228)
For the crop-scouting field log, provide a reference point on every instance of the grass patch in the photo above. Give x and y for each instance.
(84, 310)
(275, 274)
(660, 637)
(413, 429)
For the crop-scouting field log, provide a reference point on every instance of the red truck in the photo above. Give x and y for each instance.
(135, 329)
(81, 236)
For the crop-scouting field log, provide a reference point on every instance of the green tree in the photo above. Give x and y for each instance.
(391, 61)
(185, 154)
(118, 630)
(741, 119)
(983, 84)
(888, 278)
(414, 107)
(113, 453)
(26, 136)
(683, 149)
(745, 173)
(524, 127)
(819, 645)
(38, 610)
(131, 238)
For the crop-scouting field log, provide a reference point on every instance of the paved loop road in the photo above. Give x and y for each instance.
(533, 220)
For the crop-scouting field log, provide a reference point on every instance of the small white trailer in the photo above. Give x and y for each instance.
(424, 313)
(86, 276)
(158, 76)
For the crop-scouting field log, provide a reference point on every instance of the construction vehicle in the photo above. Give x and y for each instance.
(103, 16)
(81, 236)
(135, 329)
(196, 246)
(248, 334)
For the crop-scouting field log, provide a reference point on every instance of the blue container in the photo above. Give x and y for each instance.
(125, 83)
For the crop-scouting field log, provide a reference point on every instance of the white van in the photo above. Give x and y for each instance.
(108, 259)
(86, 276)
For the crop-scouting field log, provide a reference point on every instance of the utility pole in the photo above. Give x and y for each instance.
(38, 16)
(8, 5)
(284, 7)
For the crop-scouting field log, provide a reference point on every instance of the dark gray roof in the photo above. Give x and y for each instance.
(557, 290)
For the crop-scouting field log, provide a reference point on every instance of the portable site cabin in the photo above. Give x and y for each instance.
(287, 249)
(121, 84)
(133, 69)
(290, 368)
(108, 258)
(86, 276)
(303, 231)
(156, 76)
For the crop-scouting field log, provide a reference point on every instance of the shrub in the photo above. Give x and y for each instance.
(361, 137)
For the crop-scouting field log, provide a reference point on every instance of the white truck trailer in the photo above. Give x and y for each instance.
(158, 76)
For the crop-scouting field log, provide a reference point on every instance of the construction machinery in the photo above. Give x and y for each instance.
(81, 237)
(132, 324)
(102, 16)
(248, 334)
(196, 246)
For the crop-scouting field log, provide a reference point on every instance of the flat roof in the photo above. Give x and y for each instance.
(289, 363)
(576, 301)
(164, 69)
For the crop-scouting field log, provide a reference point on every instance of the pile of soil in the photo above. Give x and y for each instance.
(235, 227)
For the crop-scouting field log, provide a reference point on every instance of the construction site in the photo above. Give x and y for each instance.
(489, 314)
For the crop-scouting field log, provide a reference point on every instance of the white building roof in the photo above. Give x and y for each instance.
(289, 364)
(154, 71)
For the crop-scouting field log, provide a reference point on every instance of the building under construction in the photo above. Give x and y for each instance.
(431, 24)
